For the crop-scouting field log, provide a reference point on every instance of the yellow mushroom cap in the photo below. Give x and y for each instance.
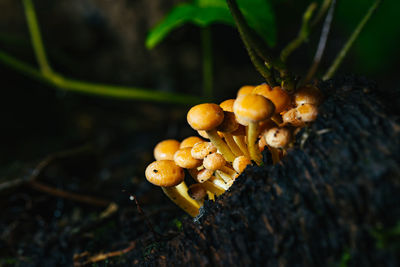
(190, 141)
(307, 112)
(227, 105)
(205, 116)
(204, 175)
(201, 150)
(253, 108)
(240, 163)
(164, 173)
(196, 191)
(229, 124)
(278, 137)
(214, 161)
(277, 95)
(166, 149)
(245, 90)
(308, 95)
(291, 117)
(183, 158)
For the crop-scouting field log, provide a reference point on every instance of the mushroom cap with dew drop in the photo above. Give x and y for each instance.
(190, 141)
(164, 173)
(205, 116)
(253, 108)
(166, 149)
(278, 137)
(183, 158)
(214, 162)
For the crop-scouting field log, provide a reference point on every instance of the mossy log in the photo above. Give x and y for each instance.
(334, 201)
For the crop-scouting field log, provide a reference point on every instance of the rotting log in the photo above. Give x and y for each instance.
(332, 202)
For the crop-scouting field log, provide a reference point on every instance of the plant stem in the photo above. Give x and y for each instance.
(36, 38)
(303, 33)
(339, 58)
(322, 43)
(207, 62)
(112, 91)
(252, 45)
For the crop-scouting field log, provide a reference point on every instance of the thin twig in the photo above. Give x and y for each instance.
(339, 58)
(322, 43)
(303, 33)
(102, 256)
(321, 12)
(251, 44)
(68, 195)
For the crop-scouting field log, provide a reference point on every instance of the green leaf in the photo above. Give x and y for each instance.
(203, 13)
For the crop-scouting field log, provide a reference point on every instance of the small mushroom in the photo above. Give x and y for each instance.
(291, 117)
(197, 192)
(166, 149)
(278, 137)
(183, 158)
(190, 141)
(277, 95)
(215, 162)
(307, 112)
(227, 105)
(240, 163)
(201, 150)
(252, 109)
(170, 177)
(308, 94)
(207, 117)
(245, 90)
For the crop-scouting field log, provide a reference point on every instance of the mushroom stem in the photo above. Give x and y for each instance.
(274, 154)
(220, 182)
(213, 188)
(179, 195)
(224, 176)
(220, 145)
(241, 144)
(232, 144)
(252, 134)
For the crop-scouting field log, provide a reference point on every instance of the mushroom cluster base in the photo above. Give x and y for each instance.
(334, 201)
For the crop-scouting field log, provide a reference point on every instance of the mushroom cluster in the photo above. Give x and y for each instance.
(234, 133)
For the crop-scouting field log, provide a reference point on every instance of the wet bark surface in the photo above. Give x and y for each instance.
(334, 199)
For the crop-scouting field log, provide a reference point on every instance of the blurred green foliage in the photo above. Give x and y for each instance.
(377, 46)
(202, 13)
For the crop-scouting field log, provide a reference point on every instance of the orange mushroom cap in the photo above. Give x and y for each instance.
(277, 95)
(278, 137)
(253, 108)
(183, 158)
(214, 161)
(201, 150)
(166, 149)
(240, 163)
(205, 116)
(227, 105)
(307, 112)
(190, 141)
(164, 173)
(245, 90)
(308, 95)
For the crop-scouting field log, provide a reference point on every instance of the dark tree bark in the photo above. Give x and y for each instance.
(332, 202)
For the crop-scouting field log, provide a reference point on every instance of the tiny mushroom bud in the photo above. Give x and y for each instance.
(227, 105)
(277, 95)
(201, 150)
(307, 112)
(292, 118)
(240, 163)
(308, 95)
(253, 109)
(214, 161)
(183, 158)
(166, 149)
(190, 141)
(207, 117)
(278, 137)
(245, 90)
(204, 175)
(169, 176)
(197, 192)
